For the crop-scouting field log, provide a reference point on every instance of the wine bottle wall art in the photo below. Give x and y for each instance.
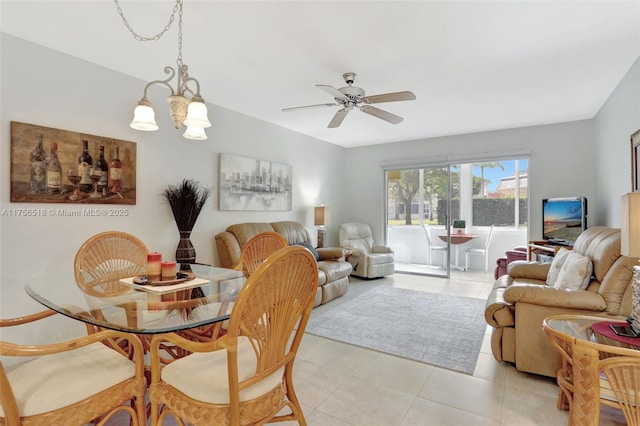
(51, 165)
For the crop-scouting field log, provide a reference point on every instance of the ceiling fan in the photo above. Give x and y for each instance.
(351, 96)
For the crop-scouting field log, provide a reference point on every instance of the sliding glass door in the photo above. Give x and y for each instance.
(479, 198)
(418, 210)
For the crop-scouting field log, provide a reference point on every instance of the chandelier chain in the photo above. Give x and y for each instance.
(176, 8)
(179, 34)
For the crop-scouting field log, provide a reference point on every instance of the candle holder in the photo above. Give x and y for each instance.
(168, 270)
(154, 270)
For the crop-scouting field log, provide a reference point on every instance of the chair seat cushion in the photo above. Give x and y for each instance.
(54, 381)
(334, 270)
(203, 375)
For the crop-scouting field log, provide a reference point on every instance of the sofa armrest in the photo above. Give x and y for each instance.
(545, 295)
(228, 249)
(529, 270)
(331, 253)
(498, 312)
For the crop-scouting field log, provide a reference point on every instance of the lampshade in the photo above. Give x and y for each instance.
(197, 114)
(144, 118)
(319, 216)
(195, 133)
(630, 228)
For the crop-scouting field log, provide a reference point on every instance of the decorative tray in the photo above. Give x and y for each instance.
(181, 277)
(160, 287)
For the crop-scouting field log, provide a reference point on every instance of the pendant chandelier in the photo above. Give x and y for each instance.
(192, 113)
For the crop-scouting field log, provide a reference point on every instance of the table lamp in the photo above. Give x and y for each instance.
(319, 217)
(630, 246)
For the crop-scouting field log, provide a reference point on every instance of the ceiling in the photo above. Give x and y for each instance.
(474, 66)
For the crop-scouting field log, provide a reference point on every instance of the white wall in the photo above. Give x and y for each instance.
(616, 121)
(44, 87)
(561, 159)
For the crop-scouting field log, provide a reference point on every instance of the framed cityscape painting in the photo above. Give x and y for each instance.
(251, 184)
(60, 166)
(635, 156)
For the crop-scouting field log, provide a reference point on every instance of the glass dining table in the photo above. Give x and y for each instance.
(205, 297)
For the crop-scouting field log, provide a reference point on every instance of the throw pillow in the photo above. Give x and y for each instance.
(576, 272)
(309, 247)
(558, 261)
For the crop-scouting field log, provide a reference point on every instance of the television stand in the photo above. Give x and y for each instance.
(544, 248)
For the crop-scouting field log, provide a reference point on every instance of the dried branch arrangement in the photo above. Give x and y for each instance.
(186, 201)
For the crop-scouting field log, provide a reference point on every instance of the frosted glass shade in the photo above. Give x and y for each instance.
(197, 114)
(195, 133)
(144, 118)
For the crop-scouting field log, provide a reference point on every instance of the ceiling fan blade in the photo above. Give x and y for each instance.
(384, 115)
(332, 91)
(337, 119)
(308, 106)
(389, 97)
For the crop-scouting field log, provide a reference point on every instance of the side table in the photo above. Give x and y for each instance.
(579, 377)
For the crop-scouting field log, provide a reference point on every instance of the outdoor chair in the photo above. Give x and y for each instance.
(480, 251)
(438, 248)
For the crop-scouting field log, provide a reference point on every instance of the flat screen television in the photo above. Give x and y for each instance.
(563, 219)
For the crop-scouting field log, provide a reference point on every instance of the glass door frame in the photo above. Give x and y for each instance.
(429, 271)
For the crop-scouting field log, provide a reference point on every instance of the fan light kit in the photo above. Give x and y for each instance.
(192, 113)
(350, 97)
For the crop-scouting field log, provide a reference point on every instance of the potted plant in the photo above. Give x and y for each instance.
(459, 226)
(186, 201)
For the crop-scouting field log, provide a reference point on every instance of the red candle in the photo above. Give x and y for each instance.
(168, 270)
(153, 266)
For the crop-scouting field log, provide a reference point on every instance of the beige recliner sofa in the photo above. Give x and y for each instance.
(520, 301)
(333, 269)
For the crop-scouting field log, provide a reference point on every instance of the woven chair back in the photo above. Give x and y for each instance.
(258, 249)
(623, 375)
(107, 257)
(273, 306)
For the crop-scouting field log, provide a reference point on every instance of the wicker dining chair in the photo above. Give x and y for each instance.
(245, 377)
(258, 249)
(88, 379)
(107, 257)
(623, 376)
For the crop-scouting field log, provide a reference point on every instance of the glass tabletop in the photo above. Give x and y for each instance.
(205, 297)
(579, 327)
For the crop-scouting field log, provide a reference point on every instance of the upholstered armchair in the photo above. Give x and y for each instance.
(369, 260)
(517, 253)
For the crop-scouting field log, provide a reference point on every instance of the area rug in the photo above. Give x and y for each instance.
(437, 329)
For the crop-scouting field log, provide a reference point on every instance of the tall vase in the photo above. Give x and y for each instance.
(635, 299)
(185, 253)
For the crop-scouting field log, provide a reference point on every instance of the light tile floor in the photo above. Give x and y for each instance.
(344, 385)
